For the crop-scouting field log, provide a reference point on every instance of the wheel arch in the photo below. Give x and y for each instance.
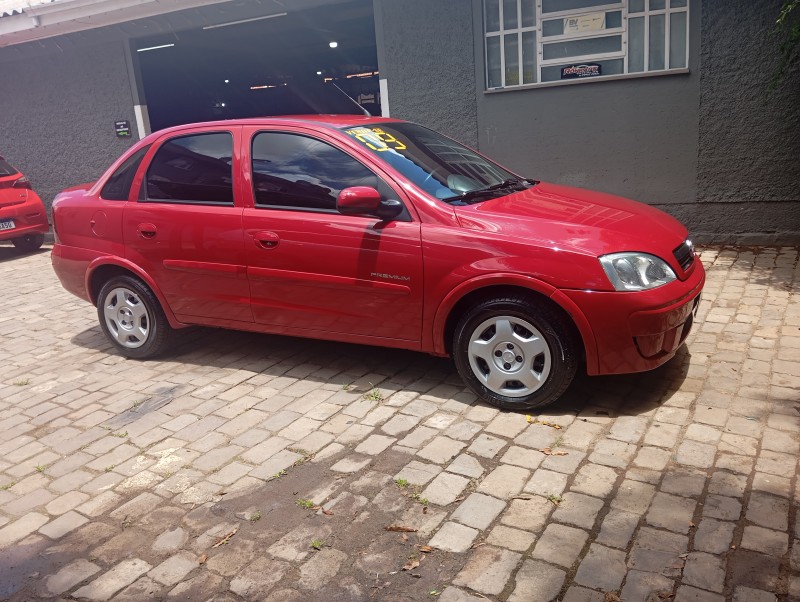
(101, 270)
(458, 302)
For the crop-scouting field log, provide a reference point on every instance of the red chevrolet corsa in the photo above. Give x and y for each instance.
(382, 232)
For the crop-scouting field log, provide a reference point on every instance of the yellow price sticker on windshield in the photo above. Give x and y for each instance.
(376, 139)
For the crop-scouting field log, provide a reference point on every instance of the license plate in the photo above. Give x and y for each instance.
(6, 224)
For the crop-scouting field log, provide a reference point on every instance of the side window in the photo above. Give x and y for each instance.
(118, 185)
(298, 172)
(192, 169)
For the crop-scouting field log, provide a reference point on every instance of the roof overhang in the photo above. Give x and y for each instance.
(23, 21)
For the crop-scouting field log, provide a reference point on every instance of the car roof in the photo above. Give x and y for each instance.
(335, 121)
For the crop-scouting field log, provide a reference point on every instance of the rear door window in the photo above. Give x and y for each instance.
(194, 169)
(6, 169)
(118, 185)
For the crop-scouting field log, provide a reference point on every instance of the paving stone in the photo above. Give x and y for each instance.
(767, 541)
(776, 463)
(454, 594)
(195, 588)
(63, 524)
(610, 452)
(537, 582)
(546, 482)
(580, 435)
(66, 502)
(653, 539)
(486, 446)
(713, 536)
(581, 594)
(768, 511)
(693, 453)
(504, 481)
(704, 571)
(321, 568)
(351, 464)
(662, 435)
(522, 456)
(466, 465)
(727, 484)
(21, 528)
(441, 450)
(734, 463)
(578, 510)
(687, 593)
(537, 436)
(748, 594)
(513, 539)
(110, 582)
(294, 546)
(633, 496)
(257, 579)
(652, 458)
(595, 480)
(602, 568)
(640, 585)
(507, 425)
(628, 428)
(463, 430)
(68, 577)
(478, 511)
(684, 483)
(453, 537)
(143, 588)
(529, 515)
(617, 528)
(773, 484)
(400, 423)
(374, 444)
(560, 545)
(418, 473)
(138, 506)
(174, 569)
(170, 541)
(487, 570)
(671, 512)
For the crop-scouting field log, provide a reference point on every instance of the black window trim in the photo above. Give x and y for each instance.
(405, 216)
(144, 198)
(144, 150)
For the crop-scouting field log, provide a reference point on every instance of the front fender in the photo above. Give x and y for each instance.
(438, 343)
(108, 260)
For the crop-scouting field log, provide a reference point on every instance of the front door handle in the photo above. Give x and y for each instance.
(147, 230)
(266, 239)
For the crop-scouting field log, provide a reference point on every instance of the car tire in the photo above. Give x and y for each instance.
(515, 353)
(132, 318)
(29, 242)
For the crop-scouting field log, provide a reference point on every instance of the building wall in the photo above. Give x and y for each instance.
(633, 137)
(426, 54)
(57, 120)
(749, 152)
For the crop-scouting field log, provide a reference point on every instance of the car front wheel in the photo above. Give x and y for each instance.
(515, 353)
(29, 242)
(131, 317)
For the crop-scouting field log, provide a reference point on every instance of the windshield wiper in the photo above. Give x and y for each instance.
(489, 190)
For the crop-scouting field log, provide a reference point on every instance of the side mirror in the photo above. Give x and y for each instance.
(366, 201)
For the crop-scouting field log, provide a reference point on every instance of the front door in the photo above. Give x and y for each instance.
(315, 271)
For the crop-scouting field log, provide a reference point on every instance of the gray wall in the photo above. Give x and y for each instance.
(749, 160)
(426, 54)
(57, 119)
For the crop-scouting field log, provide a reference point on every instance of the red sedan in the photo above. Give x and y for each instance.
(23, 218)
(381, 232)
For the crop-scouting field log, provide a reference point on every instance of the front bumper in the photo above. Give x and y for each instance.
(639, 331)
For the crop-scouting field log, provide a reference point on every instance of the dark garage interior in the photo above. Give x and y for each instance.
(270, 64)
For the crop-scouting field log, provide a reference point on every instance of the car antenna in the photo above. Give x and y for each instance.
(363, 110)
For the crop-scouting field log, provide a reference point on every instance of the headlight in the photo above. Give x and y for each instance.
(636, 271)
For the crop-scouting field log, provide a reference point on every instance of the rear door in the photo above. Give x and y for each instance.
(185, 229)
(312, 269)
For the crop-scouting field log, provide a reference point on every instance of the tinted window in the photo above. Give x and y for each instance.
(6, 169)
(119, 184)
(193, 169)
(296, 171)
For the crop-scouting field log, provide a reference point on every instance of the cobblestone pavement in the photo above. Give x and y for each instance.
(248, 467)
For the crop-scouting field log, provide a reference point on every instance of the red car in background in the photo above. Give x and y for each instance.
(382, 232)
(23, 218)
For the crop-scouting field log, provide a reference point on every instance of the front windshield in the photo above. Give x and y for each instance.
(441, 167)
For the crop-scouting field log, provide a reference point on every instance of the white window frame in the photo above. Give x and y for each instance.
(610, 6)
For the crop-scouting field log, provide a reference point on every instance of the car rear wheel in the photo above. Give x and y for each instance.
(132, 319)
(515, 353)
(29, 242)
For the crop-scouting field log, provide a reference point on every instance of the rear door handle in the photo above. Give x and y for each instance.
(266, 239)
(147, 230)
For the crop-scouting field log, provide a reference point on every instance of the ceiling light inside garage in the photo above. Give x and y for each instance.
(240, 21)
(154, 47)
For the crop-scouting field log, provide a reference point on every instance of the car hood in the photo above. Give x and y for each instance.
(569, 218)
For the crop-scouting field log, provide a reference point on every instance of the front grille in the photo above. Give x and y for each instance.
(684, 254)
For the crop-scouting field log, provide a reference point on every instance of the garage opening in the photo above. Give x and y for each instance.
(278, 63)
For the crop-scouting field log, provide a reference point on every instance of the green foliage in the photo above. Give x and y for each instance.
(787, 30)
